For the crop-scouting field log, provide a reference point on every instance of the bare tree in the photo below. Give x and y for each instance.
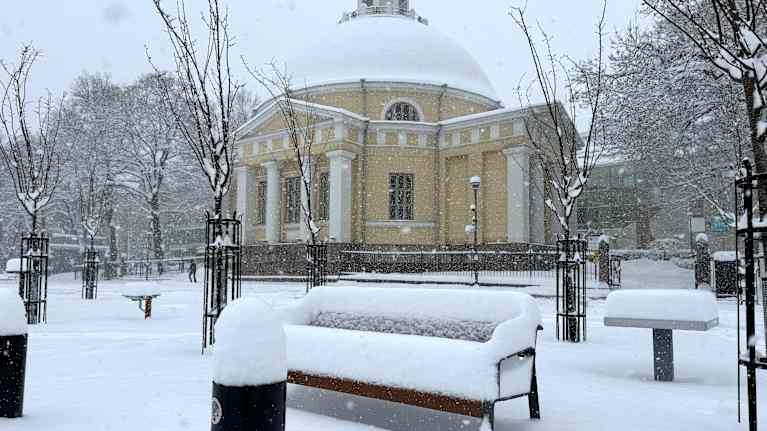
(732, 36)
(565, 157)
(208, 92)
(300, 120)
(30, 152)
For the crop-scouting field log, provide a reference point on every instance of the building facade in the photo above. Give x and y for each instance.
(404, 117)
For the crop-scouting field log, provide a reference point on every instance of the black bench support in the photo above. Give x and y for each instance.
(663, 354)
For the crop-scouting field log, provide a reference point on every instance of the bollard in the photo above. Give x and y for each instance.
(604, 259)
(13, 353)
(702, 262)
(249, 369)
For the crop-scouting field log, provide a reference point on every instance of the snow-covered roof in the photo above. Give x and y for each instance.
(387, 48)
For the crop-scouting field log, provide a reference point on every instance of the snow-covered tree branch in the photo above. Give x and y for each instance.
(731, 36)
(30, 151)
(565, 157)
(300, 119)
(208, 92)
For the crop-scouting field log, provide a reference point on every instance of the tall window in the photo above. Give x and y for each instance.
(402, 111)
(293, 201)
(323, 198)
(401, 197)
(261, 202)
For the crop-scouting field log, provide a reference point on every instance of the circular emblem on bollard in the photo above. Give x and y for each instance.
(217, 413)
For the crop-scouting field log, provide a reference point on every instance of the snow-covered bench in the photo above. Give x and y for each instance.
(662, 310)
(457, 351)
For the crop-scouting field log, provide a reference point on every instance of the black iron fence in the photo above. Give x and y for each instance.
(491, 266)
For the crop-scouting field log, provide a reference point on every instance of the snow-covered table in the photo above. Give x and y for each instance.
(143, 293)
(458, 351)
(662, 310)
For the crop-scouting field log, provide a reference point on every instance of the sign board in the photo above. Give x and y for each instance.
(718, 225)
(697, 224)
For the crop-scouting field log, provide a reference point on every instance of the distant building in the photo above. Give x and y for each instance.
(619, 203)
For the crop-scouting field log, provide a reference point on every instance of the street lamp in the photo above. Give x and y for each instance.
(475, 182)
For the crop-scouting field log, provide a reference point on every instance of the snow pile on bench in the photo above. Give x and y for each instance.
(250, 345)
(662, 304)
(12, 318)
(725, 256)
(428, 359)
(443, 328)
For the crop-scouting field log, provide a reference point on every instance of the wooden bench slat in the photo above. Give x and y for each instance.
(427, 400)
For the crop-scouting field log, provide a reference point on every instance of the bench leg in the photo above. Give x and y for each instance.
(663, 355)
(148, 308)
(532, 398)
(488, 422)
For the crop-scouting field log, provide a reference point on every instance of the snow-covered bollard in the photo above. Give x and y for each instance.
(13, 353)
(249, 369)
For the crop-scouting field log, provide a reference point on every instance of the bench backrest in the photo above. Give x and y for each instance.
(466, 314)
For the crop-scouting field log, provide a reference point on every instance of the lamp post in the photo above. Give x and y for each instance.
(475, 182)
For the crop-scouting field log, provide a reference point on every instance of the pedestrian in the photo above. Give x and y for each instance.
(193, 272)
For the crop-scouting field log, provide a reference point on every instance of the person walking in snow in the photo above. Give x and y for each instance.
(193, 272)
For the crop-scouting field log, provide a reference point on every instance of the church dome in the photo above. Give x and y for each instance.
(391, 48)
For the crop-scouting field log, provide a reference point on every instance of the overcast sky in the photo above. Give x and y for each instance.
(111, 35)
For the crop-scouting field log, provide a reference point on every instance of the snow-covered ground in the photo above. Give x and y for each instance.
(100, 366)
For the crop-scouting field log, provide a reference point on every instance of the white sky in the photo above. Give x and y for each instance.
(111, 35)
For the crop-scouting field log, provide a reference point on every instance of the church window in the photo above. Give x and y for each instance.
(293, 201)
(261, 203)
(323, 200)
(402, 111)
(401, 197)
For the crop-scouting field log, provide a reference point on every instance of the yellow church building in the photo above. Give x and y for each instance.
(404, 118)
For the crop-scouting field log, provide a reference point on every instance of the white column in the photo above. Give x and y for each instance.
(243, 176)
(341, 195)
(518, 193)
(273, 195)
(537, 205)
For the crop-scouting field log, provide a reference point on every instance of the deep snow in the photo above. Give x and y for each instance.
(100, 366)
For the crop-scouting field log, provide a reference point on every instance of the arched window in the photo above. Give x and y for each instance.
(402, 111)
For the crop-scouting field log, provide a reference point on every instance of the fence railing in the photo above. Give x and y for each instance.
(491, 266)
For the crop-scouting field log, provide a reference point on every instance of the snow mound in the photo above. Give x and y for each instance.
(13, 320)
(14, 265)
(662, 304)
(725, 256)
(250, 347)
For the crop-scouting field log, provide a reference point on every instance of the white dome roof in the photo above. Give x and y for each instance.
(387, 48)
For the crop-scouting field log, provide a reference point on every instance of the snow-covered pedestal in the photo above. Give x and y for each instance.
(249, 369)
(662, 310)
(13, 353)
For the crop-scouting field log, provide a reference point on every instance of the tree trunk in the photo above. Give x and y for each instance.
(110, 268)
(34, 223)
(159, 253)
(757, 142)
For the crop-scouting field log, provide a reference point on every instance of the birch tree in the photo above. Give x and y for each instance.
(31, 151)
